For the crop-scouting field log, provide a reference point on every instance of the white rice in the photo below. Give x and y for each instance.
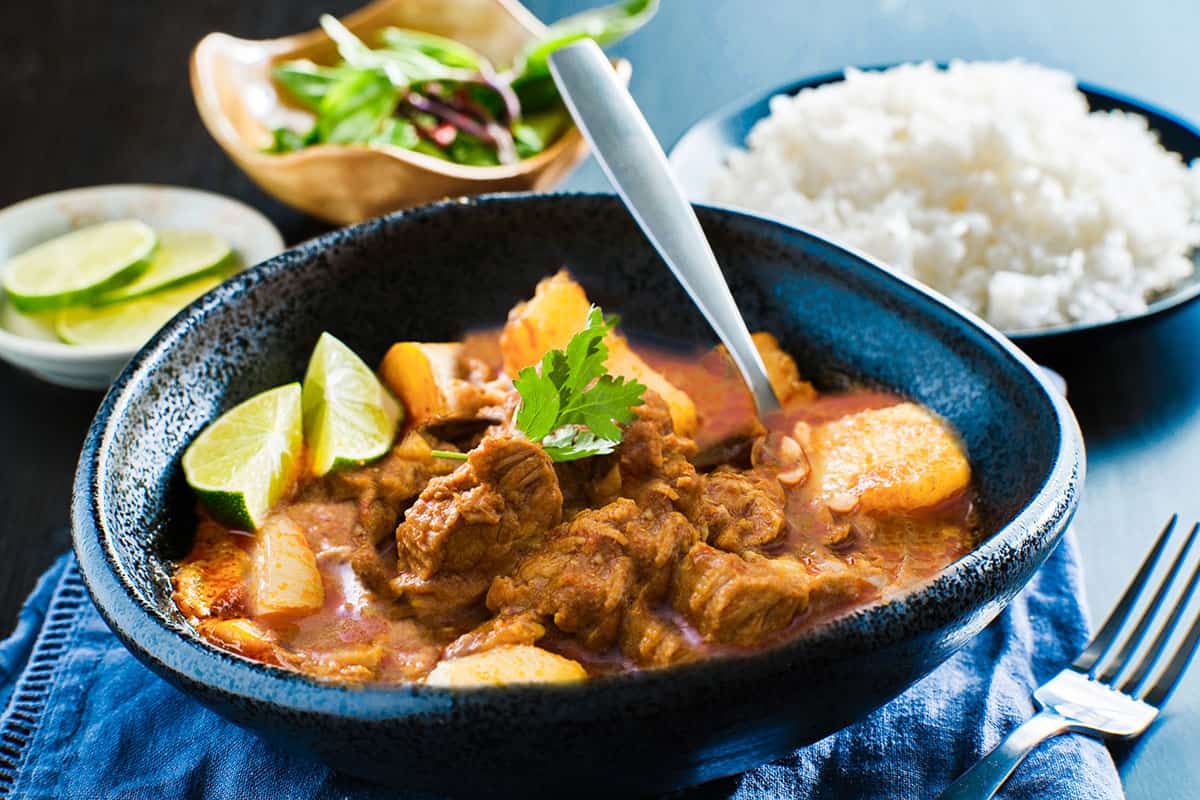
(990, 182)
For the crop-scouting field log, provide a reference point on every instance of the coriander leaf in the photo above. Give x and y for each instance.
(572, 405)
(539, 403)
(607, 401)
(586, 354)
(555, 367)
(573, 442)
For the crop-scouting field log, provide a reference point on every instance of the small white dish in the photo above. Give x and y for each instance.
(34, 221)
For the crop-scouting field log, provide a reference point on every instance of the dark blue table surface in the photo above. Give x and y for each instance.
(98, 93)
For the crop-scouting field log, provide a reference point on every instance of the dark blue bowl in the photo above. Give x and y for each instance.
(430, 274)
(698, 155)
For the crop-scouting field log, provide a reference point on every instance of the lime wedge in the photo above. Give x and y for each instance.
(350, 418)
(182, 256)
(79, 266)
(129, 324)
(242, 464)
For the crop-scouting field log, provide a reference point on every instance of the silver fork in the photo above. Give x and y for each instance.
(1105, 692)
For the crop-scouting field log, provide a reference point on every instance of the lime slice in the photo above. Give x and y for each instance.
(242, 464)
(182, 256)
(79, 266)
(350, 418)
(129, 324)
(31, 326)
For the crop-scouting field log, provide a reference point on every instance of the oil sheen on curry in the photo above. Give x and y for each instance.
(468, 554)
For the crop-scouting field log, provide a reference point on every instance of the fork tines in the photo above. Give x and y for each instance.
(1109, 656)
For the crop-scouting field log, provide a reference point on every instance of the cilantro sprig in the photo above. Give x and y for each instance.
(572, 405)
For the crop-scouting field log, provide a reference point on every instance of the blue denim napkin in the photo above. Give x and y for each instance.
(84, 719)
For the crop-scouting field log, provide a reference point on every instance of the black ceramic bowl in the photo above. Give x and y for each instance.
(435, 271)
(705, 146)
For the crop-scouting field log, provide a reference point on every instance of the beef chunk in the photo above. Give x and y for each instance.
(497, 632)
(656, 537)
(591, 569)
(588, 483)
(506, 490)
(836, 587)
(642, 449)
(359, 508)
(651, 639)
(394, 479)
(581, 577)
(444, 600)
(739, 600)
(654, 461)
(740, 510)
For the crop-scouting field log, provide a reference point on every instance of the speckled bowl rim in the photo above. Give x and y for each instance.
(1019, 547)
(1184, 293)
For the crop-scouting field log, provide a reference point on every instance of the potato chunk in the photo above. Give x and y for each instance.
(242, 635)
(429, 379)
(557, 311)
(897, 458)
(286, 579)
(782, 370)
(516, 663)
(211, 582)
(624, 362)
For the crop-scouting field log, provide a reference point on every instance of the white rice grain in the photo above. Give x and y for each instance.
(990, 182)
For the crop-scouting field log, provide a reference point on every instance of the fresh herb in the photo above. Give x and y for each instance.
(572, 405)
(439, 97)
(449, 454)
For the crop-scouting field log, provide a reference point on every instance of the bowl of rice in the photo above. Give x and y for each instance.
(1046, 206)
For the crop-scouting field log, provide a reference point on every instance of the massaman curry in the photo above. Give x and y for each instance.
(506, 536)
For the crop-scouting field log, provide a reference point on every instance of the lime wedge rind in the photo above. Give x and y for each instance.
(181, 257)
(129, 324)
(79, 266)
(244, 462)
(350, 417)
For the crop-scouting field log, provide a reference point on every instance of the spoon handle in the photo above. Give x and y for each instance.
(635, 164)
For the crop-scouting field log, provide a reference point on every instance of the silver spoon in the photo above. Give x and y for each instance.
(635, 164)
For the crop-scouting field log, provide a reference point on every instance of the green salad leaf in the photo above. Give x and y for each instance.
(355, 107)
(445, 51)
(306, 81)
(606, 25)
(535, 132)
(437, 96)
(398, 133)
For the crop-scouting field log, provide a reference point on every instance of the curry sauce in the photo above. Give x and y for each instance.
(707, 530)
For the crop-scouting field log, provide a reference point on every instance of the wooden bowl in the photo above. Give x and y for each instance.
(240, 104)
